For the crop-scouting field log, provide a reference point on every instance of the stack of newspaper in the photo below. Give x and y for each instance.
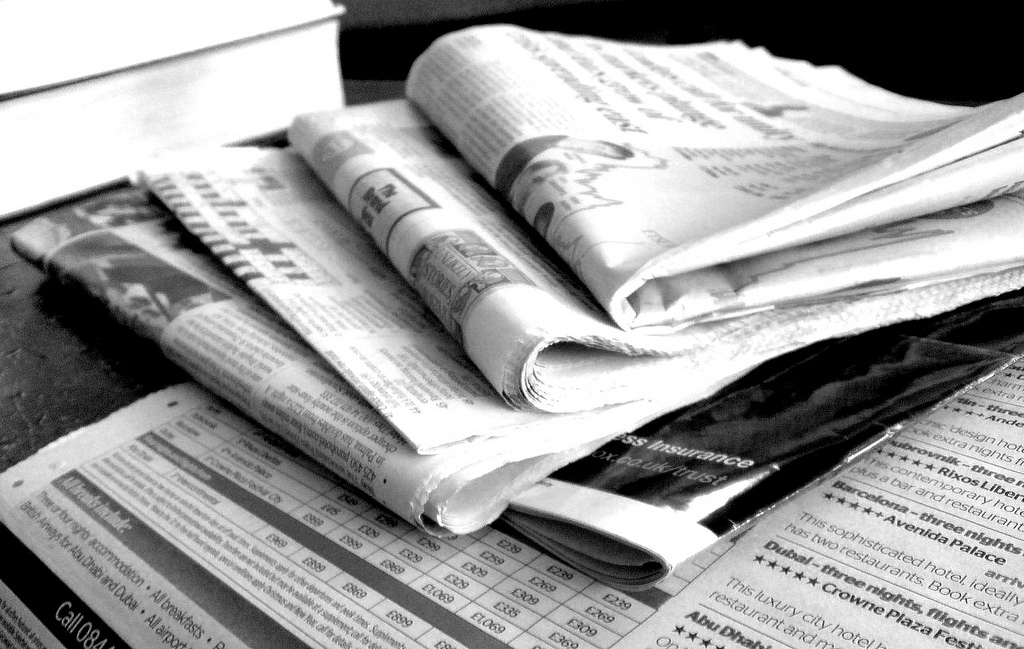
(554, 241)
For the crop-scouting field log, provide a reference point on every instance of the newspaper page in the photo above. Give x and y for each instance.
(123, 249)
(646, 167)
(176, 524)
(532, 333)
(179, 523)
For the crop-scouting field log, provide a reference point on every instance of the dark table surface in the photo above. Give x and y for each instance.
(64, 362)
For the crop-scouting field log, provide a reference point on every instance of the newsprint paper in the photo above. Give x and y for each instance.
(701, 471)
(596, 222)
(649, 168)
(127, 252)
(177, 523)
(507, 326)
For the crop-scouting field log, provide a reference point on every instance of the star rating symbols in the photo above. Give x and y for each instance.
(967, 411)
(915, 461)
(853, 504)
(906, 459)
(786, 569)
(695, 637)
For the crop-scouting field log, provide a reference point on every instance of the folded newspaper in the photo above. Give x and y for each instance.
(626, 513)
(619, 231)
(596, 223)
(128, 252)
(662, 175)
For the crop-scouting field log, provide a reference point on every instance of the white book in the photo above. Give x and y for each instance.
(97, 89)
